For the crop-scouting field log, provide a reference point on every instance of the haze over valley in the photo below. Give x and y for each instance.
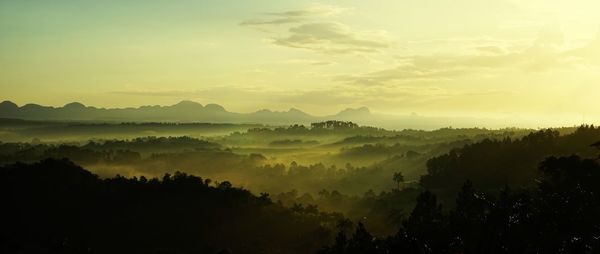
(297, 127)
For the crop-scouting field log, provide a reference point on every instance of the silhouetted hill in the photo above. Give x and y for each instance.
(55, 206)
(184, 111)
(559, 214)
(189, 111)
(351, 113)
(7, 106)
(493, 164)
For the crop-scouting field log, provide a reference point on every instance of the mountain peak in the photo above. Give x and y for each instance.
(214, 107)
(8, 105)
(264, 111)
(355, 111)
(74, 105)
(30, 106)
(188, 104)
(296, 111)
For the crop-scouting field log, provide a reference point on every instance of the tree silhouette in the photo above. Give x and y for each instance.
(55, 206)
(398, 178)
(344, 225)
(558, 215)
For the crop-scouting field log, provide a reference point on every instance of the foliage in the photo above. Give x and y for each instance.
(55, 206)
(492, 164)
(560, 215)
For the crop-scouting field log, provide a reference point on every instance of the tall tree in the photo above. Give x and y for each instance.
(398, 178)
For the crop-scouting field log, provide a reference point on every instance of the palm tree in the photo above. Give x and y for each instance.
(398, 178)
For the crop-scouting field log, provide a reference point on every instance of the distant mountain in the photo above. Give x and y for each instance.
(189, 111)
(9, 107)
(184, 111)
(351, 113)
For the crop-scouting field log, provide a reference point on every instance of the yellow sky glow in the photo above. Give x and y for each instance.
(535, 60)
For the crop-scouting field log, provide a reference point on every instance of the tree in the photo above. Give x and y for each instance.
(55, 206)
(426, 223)
(398, 178)
(344, 225)
(361, 241)
(225, 185)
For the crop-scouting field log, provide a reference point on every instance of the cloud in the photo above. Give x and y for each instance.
(491, 50)
(312, 62)
(295, 16)
(320, 63)
(589, 54)
(545, 53)
(437, 68)
(307, 30)
(285, 20)
(164, 93)
(316, 9)
(332, 38)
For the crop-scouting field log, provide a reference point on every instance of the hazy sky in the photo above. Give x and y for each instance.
(498, 58)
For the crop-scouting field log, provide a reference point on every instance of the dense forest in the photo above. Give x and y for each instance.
(54, 206)
(558, 215)
(332, 187)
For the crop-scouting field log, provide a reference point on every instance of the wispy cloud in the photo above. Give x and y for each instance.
(295, 16)
(544, 54)
(163, 93)
(307, 30)
(332, 38)
(315, 9)
(278, 21)
(589, 53)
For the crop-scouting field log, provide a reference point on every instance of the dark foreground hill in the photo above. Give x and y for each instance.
(55, 206)
(560, 215)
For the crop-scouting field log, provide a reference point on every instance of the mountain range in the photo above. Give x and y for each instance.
(184, 111)
(189, 111)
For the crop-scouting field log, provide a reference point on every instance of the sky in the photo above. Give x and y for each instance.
(534, 59)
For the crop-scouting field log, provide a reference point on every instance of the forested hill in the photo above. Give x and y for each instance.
(536, 194)
(558, 215)
(55, 206)
(492, 164)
